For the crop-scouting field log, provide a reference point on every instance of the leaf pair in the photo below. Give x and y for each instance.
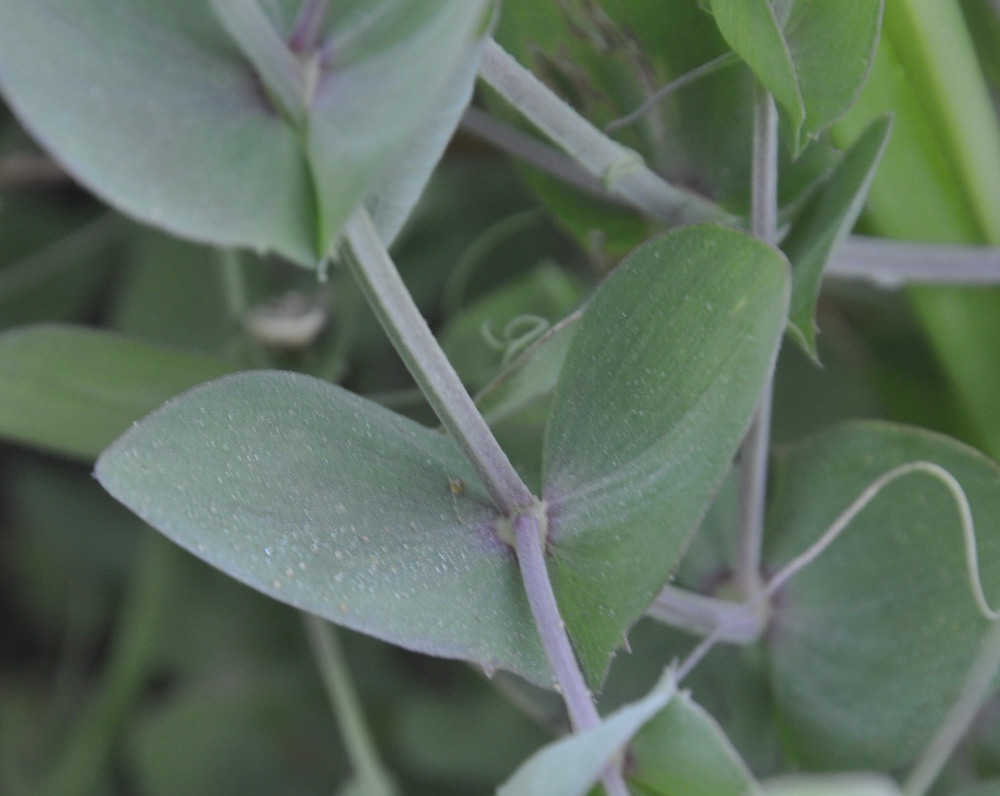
(812, 55)
(329, 502)
(210, 126)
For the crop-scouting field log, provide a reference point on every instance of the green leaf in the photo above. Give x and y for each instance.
(870, 645)
(72, 390)
(812, 55)
(328, 502)
(753, 30)
(156, 109)
(662, 376)
(682, 750)
(569, 767)
(831, 785)
(824, 224)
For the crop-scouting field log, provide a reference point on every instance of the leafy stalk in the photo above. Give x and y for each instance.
(392, 303)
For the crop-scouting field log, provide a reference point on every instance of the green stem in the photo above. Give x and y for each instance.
(753, 464)
(728, 621)
(83, 761)
(368, 768)
(620, 168)
(406, 327)
(529, 531)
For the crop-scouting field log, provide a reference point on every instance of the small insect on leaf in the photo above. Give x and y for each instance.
(456, 485)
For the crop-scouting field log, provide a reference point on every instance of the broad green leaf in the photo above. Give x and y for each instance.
(824, 224)
(661, 378)
(831, 785)
(871, 643)
(330, 503)
(682, 750)
(812, 55)
(72, 390)
(156, 108)
(569, 767)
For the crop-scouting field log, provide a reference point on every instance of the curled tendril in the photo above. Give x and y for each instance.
(515, 337)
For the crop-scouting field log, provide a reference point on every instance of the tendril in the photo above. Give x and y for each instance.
(964, 511)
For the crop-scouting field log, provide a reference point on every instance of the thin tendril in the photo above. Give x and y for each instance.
(965, 514)
(707, 68)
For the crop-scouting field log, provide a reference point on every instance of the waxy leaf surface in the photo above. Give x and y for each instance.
(330, 503)
(870, 644)
(661, 378)
(72, 390)
(183, 113)
(812, 55)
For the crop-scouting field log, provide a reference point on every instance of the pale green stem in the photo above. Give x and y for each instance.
(391, 301)
(350, 717)
(754, 458)
(733, 622)
(892, 263)
(529, 530)
(621, 169)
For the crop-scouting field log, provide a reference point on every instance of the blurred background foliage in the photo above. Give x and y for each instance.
(129, 664)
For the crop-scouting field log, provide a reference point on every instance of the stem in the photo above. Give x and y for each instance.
(399, 316)
(753, 464)
(892, 263)
(528, 531)
(728, 621)
(764, 196)
(83, 760)
(620, 168)
(361, 749)
(976, 688)
(389, 298)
